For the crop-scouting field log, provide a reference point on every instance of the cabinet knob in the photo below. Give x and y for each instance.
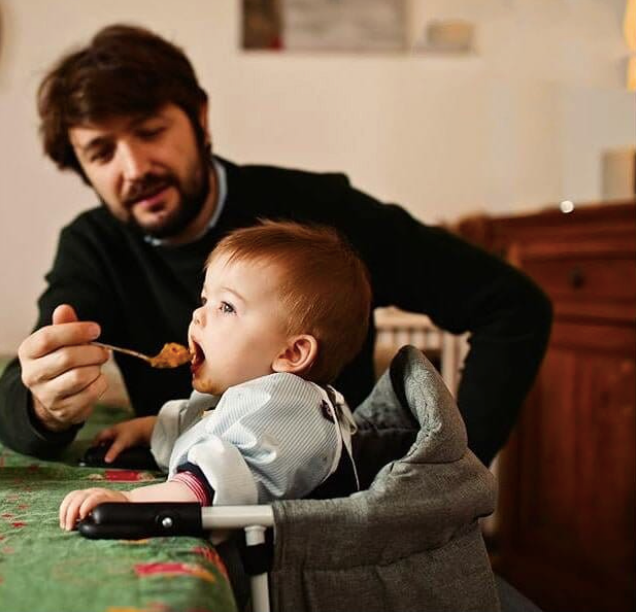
(576, 278)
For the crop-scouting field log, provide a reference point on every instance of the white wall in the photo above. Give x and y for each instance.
(516, 126)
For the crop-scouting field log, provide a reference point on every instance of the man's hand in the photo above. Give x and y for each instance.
(77, 504)
(62, 371)
(136, 432)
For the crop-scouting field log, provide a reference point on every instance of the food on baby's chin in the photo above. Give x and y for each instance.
(171, 356)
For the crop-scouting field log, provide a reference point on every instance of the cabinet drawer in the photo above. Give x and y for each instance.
(583, 278)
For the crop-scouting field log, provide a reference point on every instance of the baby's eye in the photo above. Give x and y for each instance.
(203, 301)
(226, 308)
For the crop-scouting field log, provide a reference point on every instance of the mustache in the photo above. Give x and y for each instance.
(148, 185)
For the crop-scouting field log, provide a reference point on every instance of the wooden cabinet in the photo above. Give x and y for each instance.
(565, 529)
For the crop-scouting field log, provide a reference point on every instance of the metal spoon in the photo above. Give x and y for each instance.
(171, 355)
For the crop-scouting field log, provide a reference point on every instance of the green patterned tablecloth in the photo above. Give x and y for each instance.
(44, 569)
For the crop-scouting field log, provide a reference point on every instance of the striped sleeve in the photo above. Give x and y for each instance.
(195, 484)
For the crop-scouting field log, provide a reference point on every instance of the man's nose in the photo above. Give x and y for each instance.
(134, 161)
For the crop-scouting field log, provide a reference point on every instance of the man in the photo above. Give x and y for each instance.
(128, 115)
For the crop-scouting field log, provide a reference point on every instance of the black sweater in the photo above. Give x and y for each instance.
(143, 296)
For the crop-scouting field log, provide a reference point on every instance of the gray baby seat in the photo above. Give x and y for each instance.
(410, 540)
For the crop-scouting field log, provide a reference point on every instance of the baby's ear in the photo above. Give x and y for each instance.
(298, 356)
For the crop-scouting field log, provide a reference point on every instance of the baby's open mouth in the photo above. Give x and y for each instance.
(198, 356)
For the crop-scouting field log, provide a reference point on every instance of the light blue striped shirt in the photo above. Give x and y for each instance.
(274, 437)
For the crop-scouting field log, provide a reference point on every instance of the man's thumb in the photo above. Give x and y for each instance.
(64, 314)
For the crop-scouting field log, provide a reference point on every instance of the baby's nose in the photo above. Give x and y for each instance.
(197, 316)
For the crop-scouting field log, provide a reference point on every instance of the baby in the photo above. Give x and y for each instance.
(283, 308)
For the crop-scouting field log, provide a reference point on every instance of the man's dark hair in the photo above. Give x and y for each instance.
(124, 71)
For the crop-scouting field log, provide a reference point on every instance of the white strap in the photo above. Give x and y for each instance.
(345, 428)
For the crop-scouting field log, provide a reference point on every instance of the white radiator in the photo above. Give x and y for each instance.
(395, 328)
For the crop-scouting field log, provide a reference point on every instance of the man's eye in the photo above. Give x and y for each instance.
(100, 156)
(226, 308)
(150, 133)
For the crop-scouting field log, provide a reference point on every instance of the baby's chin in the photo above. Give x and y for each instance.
(204, 385)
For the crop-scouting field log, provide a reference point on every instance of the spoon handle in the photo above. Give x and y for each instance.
(123, 350)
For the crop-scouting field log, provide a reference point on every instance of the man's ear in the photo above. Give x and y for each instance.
(298, 356)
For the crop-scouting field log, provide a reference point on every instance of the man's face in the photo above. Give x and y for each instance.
(239, 330)
(149, 171)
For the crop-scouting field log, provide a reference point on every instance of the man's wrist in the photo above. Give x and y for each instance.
(46, 419)
(149, 426)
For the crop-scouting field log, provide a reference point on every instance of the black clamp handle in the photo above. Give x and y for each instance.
(133, 521)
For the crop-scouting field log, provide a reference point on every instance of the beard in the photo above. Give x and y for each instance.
(193, 193)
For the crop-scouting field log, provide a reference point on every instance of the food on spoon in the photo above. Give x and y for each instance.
(171, 356)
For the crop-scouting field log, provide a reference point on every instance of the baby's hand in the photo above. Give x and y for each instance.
(78, 504)
(136, 432)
